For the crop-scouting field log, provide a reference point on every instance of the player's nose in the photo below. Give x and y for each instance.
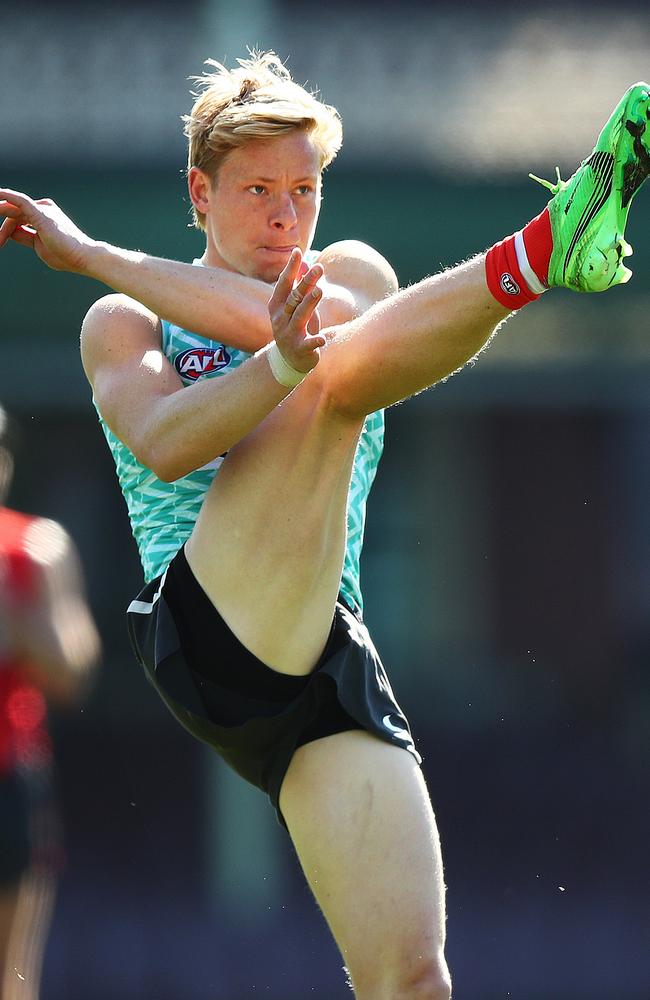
(284, 212)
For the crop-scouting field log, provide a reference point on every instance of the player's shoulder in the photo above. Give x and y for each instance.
(112, 325)
(117, 309)
(360, 268)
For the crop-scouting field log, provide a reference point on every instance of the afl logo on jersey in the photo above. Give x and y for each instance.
(199, 361)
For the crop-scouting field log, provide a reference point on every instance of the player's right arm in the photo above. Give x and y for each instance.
(138, 392)
(228, 307)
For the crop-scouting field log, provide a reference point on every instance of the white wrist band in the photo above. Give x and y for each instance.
(282, 370)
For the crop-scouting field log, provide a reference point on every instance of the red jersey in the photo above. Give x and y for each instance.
(24, 739)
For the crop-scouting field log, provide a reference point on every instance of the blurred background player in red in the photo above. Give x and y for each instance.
(49, 647)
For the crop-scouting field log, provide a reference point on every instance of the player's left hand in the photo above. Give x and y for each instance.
(294, 314)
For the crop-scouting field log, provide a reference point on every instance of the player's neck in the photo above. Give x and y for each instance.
(210, 257)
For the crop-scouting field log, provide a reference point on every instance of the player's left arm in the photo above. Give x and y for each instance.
(53, 633)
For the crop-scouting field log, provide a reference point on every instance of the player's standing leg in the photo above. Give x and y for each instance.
(360, 818)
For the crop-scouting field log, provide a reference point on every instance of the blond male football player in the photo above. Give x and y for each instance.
(246, 428)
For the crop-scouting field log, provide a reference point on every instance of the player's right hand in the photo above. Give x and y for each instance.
(41, 225)
(294, 314)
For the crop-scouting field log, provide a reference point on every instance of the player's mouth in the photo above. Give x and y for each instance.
(286, 250)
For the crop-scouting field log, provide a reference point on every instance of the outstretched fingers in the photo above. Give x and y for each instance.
(294, 315)
(290, 288)
(285, 282)
(304, 318)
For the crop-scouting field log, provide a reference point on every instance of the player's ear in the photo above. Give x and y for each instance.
(199, 185)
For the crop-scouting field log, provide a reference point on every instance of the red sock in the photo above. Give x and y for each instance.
(538, 240)
(516, 269)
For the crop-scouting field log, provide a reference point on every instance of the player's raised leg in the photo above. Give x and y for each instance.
(361, 820)
(410, 341)
(421, 335)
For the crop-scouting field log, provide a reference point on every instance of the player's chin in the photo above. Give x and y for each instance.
(271, 263)
(269, 274)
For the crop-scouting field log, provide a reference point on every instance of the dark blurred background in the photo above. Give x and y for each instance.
(508, 528)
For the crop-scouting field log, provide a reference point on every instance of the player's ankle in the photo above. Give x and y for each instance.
(516, 268)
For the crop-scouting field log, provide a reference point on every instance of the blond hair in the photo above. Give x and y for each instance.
(257, 100)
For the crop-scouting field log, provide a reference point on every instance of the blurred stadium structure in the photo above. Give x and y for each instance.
(451, 90)
(511, 516)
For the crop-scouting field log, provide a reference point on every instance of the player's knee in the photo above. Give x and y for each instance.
(424, 980)
(424, 983)
(338, 391)
(415, 977)
(330, 391)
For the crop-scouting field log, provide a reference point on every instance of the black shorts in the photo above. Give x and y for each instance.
(254, 716)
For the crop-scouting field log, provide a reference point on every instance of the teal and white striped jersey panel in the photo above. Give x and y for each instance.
(163, 514)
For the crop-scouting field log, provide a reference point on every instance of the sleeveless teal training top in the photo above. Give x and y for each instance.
(163, 514)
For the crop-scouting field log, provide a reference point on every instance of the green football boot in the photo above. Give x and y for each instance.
(589, 211)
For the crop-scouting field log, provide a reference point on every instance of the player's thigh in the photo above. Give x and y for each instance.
(360, 818)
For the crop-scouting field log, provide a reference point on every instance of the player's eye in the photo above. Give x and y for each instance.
(257, 189)
(304, 189)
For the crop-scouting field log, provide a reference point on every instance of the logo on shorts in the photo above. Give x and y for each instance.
(399, 732)
(198, 361)
(509, 284)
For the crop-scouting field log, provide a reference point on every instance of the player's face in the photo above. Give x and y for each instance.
(265, 202)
